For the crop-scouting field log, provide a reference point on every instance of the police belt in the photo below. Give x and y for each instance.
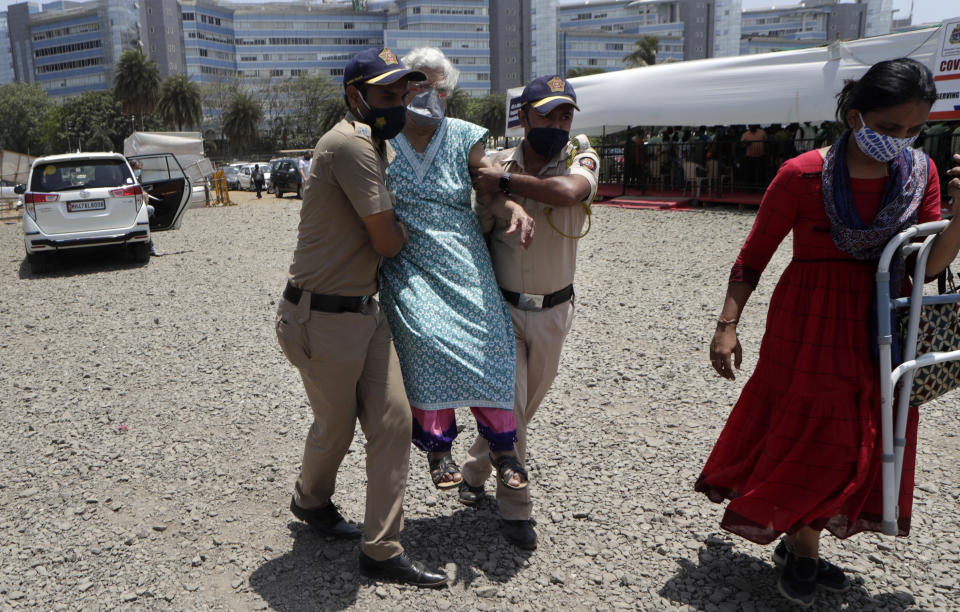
(326, 303)
(526, 301)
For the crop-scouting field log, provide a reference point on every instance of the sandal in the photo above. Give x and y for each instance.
(440, 466)
(507, 466)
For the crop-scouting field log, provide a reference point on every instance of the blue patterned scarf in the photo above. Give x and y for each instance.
(898, 210)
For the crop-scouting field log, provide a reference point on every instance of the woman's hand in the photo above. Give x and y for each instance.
(725, 343)
(520, 220)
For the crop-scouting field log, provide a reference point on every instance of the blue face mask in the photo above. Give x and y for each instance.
(547, 141)
(879, 146)
(385, 123)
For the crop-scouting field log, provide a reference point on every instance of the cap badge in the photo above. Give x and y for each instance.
(388, 57)
(556, 84)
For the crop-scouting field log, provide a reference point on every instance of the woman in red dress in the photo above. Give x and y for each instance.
(800, 451)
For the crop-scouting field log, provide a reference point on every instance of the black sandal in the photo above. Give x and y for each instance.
(507, 466)
(443, 465)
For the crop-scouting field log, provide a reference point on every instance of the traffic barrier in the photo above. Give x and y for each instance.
(221, 191)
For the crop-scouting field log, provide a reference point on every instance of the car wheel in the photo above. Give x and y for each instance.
(140, 252)
(278, 192)
(300, 191)
(39, 262)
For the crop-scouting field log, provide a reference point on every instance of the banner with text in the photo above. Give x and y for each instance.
(946, 72)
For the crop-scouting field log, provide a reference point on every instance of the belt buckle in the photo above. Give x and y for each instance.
(530, 302)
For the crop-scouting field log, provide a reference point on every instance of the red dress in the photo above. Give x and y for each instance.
(802, 445)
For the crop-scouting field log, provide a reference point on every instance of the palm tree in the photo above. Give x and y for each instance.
(458, 104)
(491, 113)
(136, 82)
(179, 102)
(582, 71)
(241, 118)
(645, 53)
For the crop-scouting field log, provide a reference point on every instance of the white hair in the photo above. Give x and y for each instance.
(434, 59)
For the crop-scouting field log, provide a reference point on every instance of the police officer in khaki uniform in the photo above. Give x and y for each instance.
(332, 329)
(554, 178)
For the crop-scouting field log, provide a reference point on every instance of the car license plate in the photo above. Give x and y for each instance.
(86, 205)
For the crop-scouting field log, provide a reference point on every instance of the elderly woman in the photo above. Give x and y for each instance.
(452, 330)
(800, 452)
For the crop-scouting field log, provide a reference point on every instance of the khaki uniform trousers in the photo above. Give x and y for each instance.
(539, 337)
(350, 371)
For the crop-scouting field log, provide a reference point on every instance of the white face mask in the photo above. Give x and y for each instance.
(879, 146)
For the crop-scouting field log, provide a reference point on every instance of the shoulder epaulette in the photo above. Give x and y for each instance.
(362, 129)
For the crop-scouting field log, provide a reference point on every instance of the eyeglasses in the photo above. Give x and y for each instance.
(418, 88)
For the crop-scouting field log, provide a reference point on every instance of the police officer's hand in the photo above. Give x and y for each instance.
(486, 180)
(520, 221)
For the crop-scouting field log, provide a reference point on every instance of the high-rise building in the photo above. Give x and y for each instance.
(6, 57)
(879, 17)
(809, 24)
(509, 43)
(543, 38)
(459, 28)
(600, 34)
(161, 35)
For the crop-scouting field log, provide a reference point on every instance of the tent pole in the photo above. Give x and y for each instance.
(623, 189)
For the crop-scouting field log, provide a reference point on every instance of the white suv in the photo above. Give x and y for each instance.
(85, 200)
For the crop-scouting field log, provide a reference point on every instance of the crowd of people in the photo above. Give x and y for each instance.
(740, 158)
(476, 299)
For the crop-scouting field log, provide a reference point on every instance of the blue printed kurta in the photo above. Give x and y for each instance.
(451, 327)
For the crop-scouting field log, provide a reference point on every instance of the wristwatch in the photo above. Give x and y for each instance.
(505, 182)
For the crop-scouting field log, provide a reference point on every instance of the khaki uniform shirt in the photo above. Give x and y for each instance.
(347, 181)
(548, 265)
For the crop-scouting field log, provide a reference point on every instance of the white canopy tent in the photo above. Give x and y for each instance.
(781, 87)
(187, 147)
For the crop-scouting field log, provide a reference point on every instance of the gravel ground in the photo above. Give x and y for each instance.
(155, 430)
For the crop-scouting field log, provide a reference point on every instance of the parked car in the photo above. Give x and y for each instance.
(244, 179)
(84, 200)
(286, 177)
(231, 174)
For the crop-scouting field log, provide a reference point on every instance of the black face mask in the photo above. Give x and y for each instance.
(546, 141)
(385, 123)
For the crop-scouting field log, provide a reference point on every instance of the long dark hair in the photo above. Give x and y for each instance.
(887, 84)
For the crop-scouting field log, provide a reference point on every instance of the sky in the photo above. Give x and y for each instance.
(924, 11)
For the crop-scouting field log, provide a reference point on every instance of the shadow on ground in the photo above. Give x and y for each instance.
(726, 579)
(322, 573)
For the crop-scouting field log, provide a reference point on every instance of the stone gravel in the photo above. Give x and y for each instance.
(154, 430)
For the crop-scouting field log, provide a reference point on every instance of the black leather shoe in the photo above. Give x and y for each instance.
(520, 533)
(326, 521)
(402, 569)
(469, 495)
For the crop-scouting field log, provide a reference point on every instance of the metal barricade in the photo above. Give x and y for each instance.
(901, 377)
(220, 189)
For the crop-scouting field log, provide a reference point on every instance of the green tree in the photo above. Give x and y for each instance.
(315, 104)
(458, 104)
(582, 71)
(94, 121)
(179, 103)
(241, 119)
(215, 97)
(136, 83)
(645, 53)
(23, 108)
(490, 112)
(331, 112)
